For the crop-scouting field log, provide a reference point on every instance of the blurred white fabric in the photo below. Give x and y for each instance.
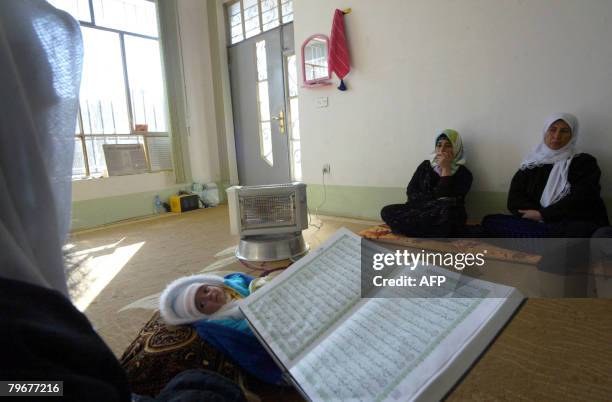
(41, 57)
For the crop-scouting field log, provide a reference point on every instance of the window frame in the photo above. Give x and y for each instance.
(83, 137)
(228, 27)
(290, 119)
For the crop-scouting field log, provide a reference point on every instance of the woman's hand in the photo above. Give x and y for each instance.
(445, 158)
(531, 214)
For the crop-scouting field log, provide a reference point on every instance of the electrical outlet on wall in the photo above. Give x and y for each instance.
(326, 168)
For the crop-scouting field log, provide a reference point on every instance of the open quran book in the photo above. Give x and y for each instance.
(337, 346)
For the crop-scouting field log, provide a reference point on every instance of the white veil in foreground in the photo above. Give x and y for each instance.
(40, 71)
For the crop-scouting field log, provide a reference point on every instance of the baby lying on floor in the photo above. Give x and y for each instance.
(210, 303)
(206, 296)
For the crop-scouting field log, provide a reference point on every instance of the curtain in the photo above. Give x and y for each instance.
(175, 87)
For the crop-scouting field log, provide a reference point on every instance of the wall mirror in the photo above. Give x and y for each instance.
(315, 55)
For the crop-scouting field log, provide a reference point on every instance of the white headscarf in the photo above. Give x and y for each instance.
(177, 302)
(40, 73)
(557, 185)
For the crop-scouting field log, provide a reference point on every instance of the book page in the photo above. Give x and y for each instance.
(379, 346)
(339, 347)
(394, 348)
(308, 299)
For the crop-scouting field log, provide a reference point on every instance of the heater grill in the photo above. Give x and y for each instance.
(267, 211)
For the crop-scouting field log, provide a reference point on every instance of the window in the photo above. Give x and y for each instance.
(247, 18)
(103, 98)
(79, 9)
(263, 104)
(138, 16)
(295, 152)
(287, 10)
(269, 14)
(122, 98)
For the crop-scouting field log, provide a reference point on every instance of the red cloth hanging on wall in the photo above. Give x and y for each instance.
(339, 60)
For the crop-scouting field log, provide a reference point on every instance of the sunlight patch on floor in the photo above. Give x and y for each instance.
(94, 272)
(95, 249)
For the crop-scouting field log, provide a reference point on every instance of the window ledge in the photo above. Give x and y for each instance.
(91, 178)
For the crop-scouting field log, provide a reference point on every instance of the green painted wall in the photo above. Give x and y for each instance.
(366, 202)
(352, 201)
(346, 201)
(102, 211)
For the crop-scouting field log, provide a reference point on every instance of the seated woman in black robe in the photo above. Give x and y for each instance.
(555, 193)
(435, 206)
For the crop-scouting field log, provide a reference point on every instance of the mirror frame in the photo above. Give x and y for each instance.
(318, 81)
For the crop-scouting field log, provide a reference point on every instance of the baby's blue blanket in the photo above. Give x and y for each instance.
(235, 339)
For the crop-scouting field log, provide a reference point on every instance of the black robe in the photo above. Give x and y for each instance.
(435, 206)
(427, 185)
(44, 337)
(583, 203)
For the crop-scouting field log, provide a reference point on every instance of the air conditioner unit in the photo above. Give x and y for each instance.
(269, 220)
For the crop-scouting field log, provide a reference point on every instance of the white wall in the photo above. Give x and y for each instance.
(493, 70)
(89, 189)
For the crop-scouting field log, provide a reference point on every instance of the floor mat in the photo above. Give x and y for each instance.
(383, 234)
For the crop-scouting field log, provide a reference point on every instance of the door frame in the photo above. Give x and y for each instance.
(226, 92)
(254, 115)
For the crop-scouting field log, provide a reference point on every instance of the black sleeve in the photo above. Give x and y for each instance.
(416, 191)
(518, 198)
(583, 177)
(44, 337)
(456, 185)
